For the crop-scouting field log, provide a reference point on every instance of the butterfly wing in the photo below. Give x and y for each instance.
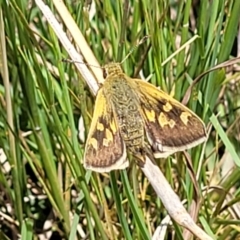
(105, 149)
(170, 126)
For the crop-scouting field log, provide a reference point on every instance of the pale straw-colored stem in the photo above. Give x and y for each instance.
(170, 200)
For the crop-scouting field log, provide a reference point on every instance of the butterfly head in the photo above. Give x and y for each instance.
(111, 69)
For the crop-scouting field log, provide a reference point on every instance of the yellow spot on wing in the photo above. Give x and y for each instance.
(171, 123)
(163, 121)
(167, 107)
(184, 117)
(109, 135)
(100, 126)
(93, 142)
(105, 142)
(113, 127)
(108, 139)
(150, 115)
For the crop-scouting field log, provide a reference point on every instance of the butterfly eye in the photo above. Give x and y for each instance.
(104, 73)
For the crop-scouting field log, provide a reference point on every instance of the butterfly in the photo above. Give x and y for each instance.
(133, 116)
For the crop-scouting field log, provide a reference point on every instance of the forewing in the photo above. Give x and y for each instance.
(170, 126)
(105, 149)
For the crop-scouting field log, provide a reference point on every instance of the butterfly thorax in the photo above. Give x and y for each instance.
(124, 102)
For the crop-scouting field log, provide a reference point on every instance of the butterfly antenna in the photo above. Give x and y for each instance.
(87, 64)
(140, 42)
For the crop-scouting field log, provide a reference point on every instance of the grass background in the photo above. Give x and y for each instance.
(44, 189)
